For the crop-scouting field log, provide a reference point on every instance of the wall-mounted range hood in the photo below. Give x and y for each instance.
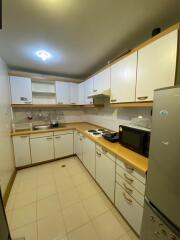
(104, 93)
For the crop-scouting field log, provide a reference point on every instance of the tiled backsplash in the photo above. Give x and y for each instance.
(106, 116)
(112, 117)
(65, 116)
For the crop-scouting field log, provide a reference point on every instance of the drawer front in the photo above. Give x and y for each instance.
(39, 135)
(129, 208)
(63, 132)
(129, 169)
(105, 152)
(130, 190)
(139, 186)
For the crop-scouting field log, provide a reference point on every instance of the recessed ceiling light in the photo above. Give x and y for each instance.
(43, 55)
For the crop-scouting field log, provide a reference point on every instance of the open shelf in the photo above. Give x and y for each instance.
(54, 106)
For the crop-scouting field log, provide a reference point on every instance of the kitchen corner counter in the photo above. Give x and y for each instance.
(136, 160)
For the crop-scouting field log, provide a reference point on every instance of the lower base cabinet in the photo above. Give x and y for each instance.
(105, 173)
(63, 145)
(129, 208)
(89, 159)
(42, 149)
(78, 145)
(22, 150)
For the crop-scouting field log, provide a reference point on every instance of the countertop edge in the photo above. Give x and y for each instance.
(123, 157)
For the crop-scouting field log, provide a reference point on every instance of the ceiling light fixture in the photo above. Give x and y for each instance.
(43, 55)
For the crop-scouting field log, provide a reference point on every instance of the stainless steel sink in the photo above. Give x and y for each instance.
(42, 127)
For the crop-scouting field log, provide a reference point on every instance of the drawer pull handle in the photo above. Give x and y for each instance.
(99, 154)
(130, 180)
(113, 100)
(49, 138)
(104, 150)
(130, 191)
(129, 167)
(95, 90)
(58, 137)
(60, 102)
(127, 199)
(142, 98)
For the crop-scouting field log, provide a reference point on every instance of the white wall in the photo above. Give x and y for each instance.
(6, 150)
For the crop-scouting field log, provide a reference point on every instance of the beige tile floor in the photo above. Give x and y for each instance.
(51, 202)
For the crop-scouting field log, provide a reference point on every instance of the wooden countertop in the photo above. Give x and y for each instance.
(136, 160)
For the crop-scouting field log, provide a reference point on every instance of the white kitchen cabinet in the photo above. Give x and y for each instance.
(89, 155)
(78, 145)
(42, 148)
(21, 92)
(129, 208)
(156, 66)
(63, 145)
(105, 173)
(102, 81)
(22, 150)
(73, 93)
(63, 92)
(123, 79)
(81, 93)
(89, 90)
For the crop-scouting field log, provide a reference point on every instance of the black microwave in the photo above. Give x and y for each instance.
(135, 139)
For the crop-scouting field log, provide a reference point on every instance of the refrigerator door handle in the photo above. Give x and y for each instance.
(165, 143)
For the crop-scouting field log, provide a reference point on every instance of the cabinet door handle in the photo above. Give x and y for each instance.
(99, 154)
(60, 102)
(129, 190)
(49, 138)
(28, 102)
(23, 98)
(129, 180)
(142, 98)
(58, 137)
(95, 90)
(127, 199)
(113, 100)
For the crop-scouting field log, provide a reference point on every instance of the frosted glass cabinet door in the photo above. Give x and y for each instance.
(123, 79)
(62, 93)
(21, 92)
(156, 66)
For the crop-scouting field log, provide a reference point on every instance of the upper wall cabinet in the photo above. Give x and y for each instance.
(73, 93)
(156, 66)
(81, 93)
(102, 81)
(123, 79)
(88, 90)
(21, 91)
(63, 92)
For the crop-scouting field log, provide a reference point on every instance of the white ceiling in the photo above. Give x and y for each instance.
(81, 35)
